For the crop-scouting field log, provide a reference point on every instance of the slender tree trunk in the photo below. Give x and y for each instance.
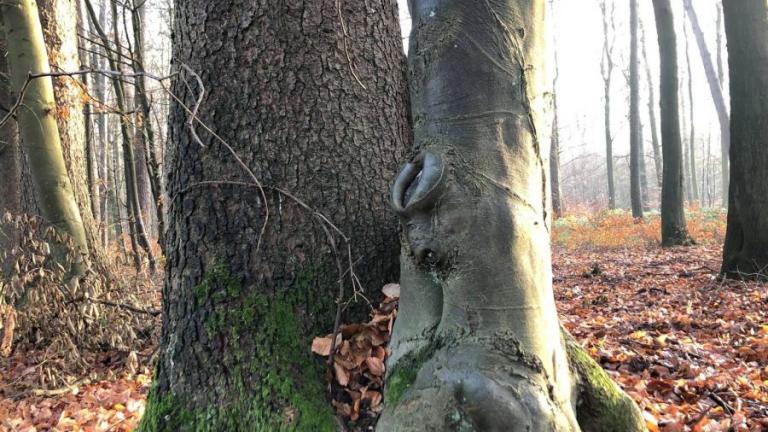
(673, 229)
(554, 152)
(634, 116)
(37, 122)
(129, 165)
(312, 96)
(10, 168)
(147, 134)
(651, 109)
(477, 345)
(746, 238)
(643, 173)
(692, 120)
(682, 110)
(715, 89)
(99, 93)
(606, 68)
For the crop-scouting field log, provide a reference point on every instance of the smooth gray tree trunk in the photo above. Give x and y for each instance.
(477, 345)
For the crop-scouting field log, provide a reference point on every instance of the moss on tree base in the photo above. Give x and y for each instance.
(271, 380)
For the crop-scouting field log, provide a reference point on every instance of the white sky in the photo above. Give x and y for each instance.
(578, 36)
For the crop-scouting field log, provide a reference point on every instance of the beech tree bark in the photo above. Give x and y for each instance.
(477, 345)
(746, 239)
(312, 96)
(635, 154)
(37, 122)
(673, 229)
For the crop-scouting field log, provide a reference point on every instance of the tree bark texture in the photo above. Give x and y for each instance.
(715, 89)
(10, 168)
(312, 96)
(37, 122)
(477, 345)
(673, 230)
(635, 193)
(746, 238)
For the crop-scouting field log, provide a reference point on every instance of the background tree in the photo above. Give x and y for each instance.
(673, 229)
(651, 108)
(715, 90)
(635, 153)
(477, 344)
(694, 185)
(312, 97)
(746, 238)
(37, 120)
(606, 68)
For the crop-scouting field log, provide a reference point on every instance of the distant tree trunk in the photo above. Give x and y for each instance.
(91, 158)
(154, 203)
(129, 165)
(606, 68)
(554, 152)
(10, 168)
(651, 109)
(477, 345)
(692, 120)
(99, 93)
(715, 89)
(634, 116)
(673, 229)
(746, 238)
(643, 173)
(682, 110)
(37, 122)
(312, 96)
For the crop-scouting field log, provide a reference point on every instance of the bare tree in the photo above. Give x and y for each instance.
(636, 196)
(606, 69)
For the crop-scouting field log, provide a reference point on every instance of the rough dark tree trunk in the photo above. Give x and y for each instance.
(477, 345)
(606, 69)
(715, 89)
(636, 195)
(746, 238)
(312, 96)
(673, 230)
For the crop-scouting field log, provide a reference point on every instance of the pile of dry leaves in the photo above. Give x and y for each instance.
(357, 364)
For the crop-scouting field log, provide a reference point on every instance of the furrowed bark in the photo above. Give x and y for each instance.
(745, 253)
(477, 345)
(673, 229)
(312, 96)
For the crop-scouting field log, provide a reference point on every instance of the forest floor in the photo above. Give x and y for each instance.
(691, 349)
